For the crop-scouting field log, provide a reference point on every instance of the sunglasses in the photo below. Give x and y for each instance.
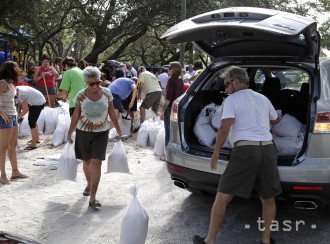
(228, 83)
(94, 83)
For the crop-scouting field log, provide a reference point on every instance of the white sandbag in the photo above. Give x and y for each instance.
(117, 160)
(125, 125)
(159, 148)
(112, 134)
(24, 128)
(59, 133)
(143, 135)
(150, 114)
(41, 123)
(68, 164)
(65, 106)
(50, 120)
(134, 227)
(153, 130)
(216, 117)
(67, 126)
(288, 145)
(288, 126)
(204, 131)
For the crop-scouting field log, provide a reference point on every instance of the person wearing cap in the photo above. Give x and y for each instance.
(45, 77)
(72, 82)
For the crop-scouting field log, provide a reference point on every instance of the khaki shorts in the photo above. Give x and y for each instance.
(152, 100)
(251, 167)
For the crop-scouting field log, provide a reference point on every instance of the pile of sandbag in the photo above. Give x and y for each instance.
(288, 135)
(207, 123)
(148, 132)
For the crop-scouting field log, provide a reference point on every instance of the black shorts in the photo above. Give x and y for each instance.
(34, 113)
(251, 167)
(127, 101)
(117, 103)
(91, 145)
(152, 100)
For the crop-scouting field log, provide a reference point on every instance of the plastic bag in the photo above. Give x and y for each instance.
(134, 227)
(288, 126)
(117, 160)
(159, 148)
(50, 120)
(24, 128)
(68, 164)
(59, 133)
(125, 125)
(143, 135)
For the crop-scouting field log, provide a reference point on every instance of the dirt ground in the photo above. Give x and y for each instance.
(49, 209)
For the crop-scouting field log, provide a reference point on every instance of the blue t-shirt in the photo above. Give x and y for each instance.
(122, 87)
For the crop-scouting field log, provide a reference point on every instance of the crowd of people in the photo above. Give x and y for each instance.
(97, 96)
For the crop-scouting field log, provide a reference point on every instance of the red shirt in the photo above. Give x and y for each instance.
(174, 88)
(50, 82)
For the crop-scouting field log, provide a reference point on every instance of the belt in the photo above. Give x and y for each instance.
(252, 143)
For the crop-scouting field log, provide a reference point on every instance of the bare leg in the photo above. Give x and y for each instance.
(142, 115)
(95, 177)
(131, 115)
(5, 134)
(12, 154)
(217, 215)
(87, 172)
(35, 137)
(268, 215)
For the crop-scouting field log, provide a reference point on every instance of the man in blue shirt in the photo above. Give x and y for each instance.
(121, 88)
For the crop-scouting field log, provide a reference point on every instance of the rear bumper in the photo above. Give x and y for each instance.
(209, 182)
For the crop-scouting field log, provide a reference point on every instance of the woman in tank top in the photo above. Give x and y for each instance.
(9, 73)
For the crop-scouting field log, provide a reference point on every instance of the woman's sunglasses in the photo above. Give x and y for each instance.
(94, 83)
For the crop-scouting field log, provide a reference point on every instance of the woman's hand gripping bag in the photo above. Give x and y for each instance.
(117, 160)
(68, 164)
(134, 227)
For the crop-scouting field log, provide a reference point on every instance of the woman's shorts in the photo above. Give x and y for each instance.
(51, 90)
(91, 145)
(13, 122)
(34, 113)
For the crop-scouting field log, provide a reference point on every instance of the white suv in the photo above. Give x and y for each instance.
(266, 43)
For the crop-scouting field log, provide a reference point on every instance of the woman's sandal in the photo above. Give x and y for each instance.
(86, 192)
(4, 181)
(20, 176)
(95, 204)
(36, 141)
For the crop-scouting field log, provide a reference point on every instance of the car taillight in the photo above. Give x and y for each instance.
(322, 124)
(307, 188)
(174, 111)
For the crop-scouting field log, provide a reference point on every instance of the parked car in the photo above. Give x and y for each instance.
(262, 41)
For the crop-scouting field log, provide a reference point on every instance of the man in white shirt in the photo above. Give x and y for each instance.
(190, 70)
(131, 69)
(247, 116)
(162, 78)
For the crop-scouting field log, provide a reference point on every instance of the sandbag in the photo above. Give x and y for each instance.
(150, 114)
(203, 130)
(153, 129)
(41, 123)
(288, 145)
(143, 135)
(217, 117)
(117, 160)
(112, 134)
(59, 133)
(134, 227)
(68, 164)
(50, 120)
(288, 126)
(24, 128)
(125, 125)
(159, 148)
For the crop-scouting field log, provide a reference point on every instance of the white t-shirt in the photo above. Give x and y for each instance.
(252, 112)
(163, 77)
(190, 73)
(31, 95)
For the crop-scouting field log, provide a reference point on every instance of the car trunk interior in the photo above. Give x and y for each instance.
(287, 88)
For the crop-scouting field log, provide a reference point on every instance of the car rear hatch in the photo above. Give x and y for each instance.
(244, 32)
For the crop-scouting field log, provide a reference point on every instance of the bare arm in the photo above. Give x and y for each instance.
(64, 94)
(221, 138)
(275, 121)
(114, 119)
(25, 109)
(133, 96)
(74, 121)
(55, 74)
